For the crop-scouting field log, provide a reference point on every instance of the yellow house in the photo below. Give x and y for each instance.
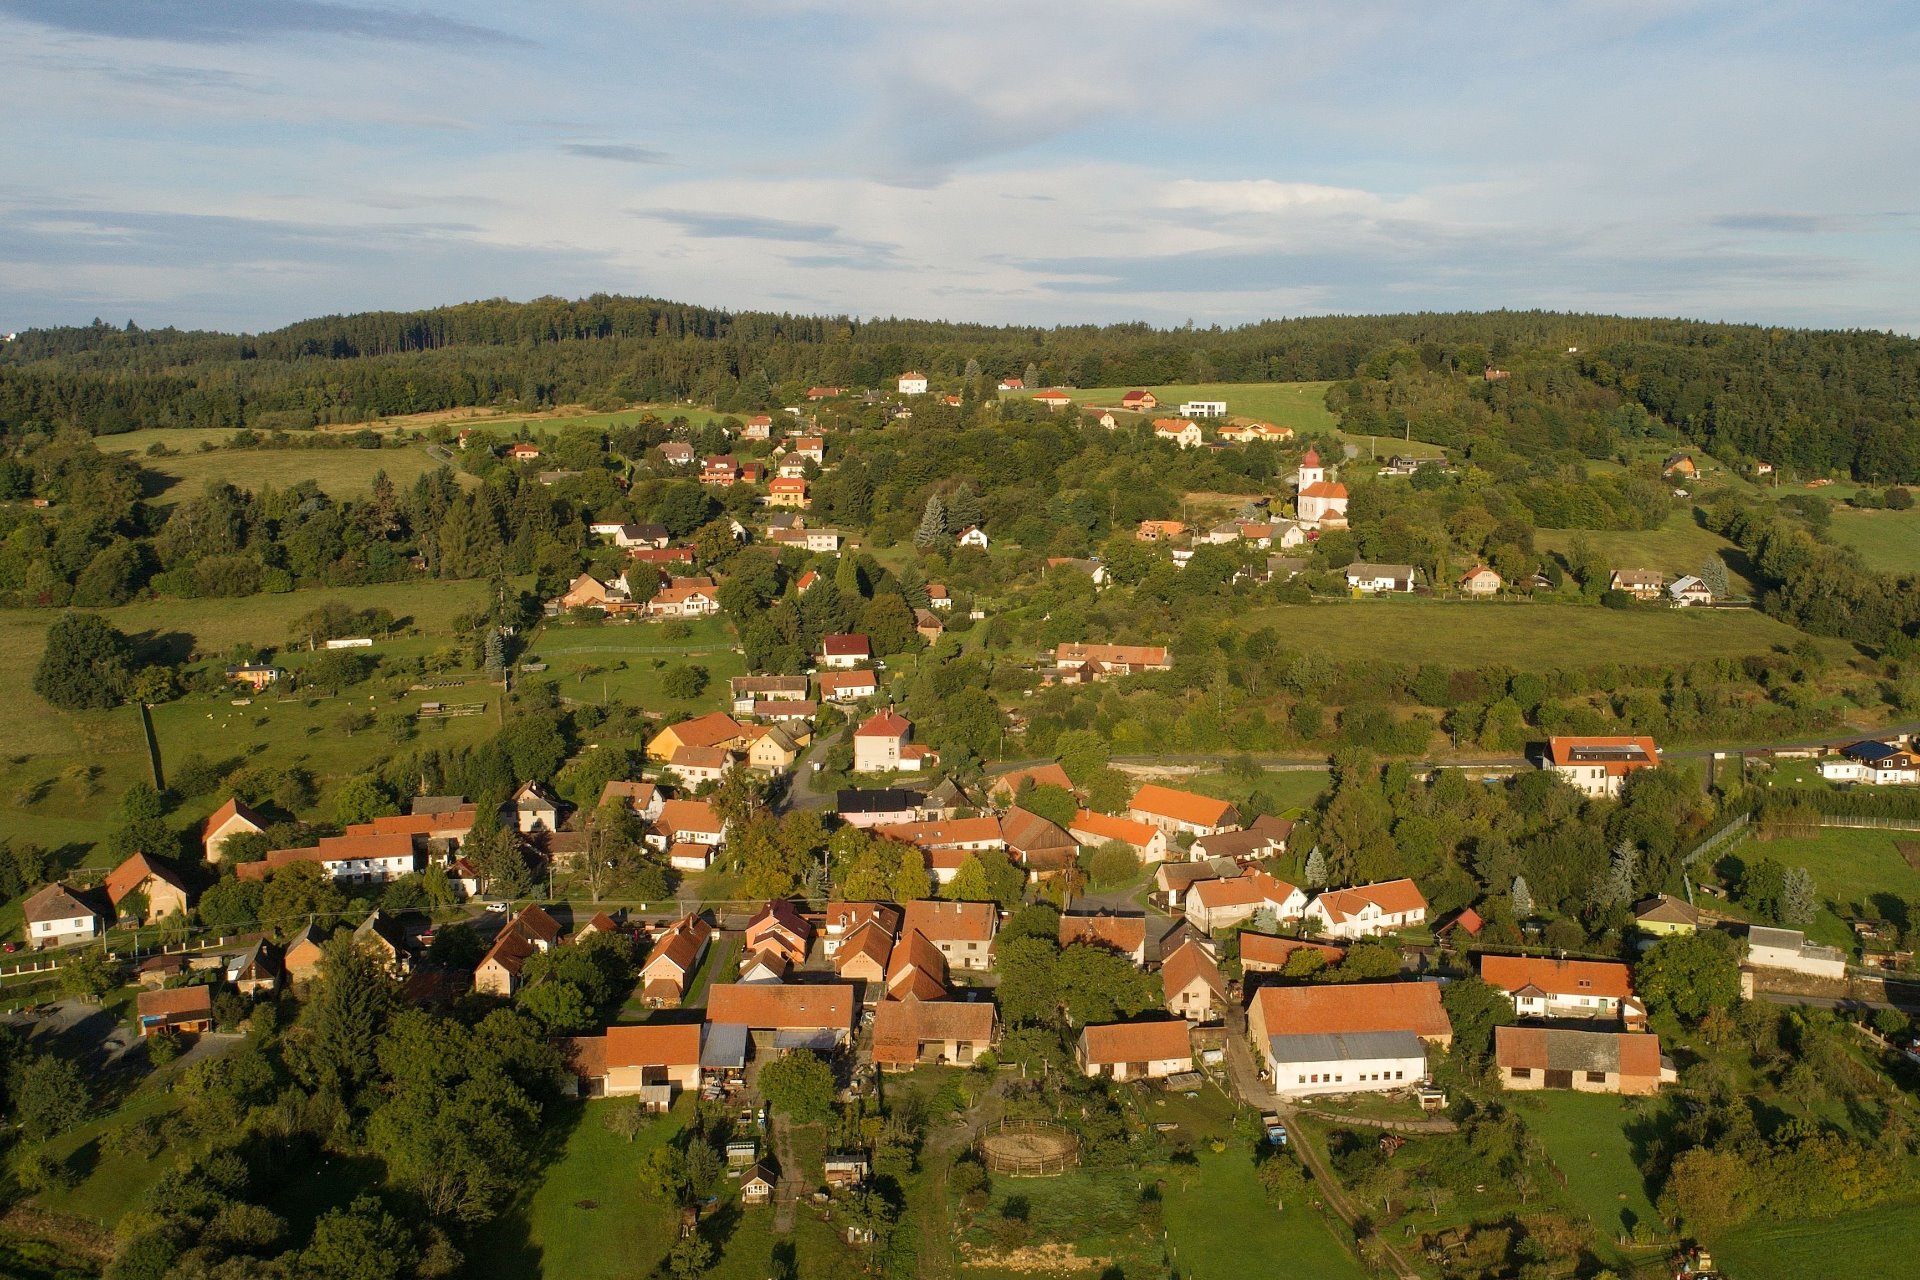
(788, 493)
(1663, 916)
(715, 729)
(776, 749)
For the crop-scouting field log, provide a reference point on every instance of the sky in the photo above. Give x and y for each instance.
(241, 164)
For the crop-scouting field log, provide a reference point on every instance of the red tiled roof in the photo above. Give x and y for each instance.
(1103, 827)
(847, 646)
(1361, 1006)
(1190, 963)
(1541, 1048)
(1137, 1042)
(1126, 934)
(1394, 897)
(1265, 949)
(710, 730)
(669, 1044)
(900, 1027)
(132, 873)
(884, 724)
(231, 809)
(950, 833)
(1558, 977)
(173, 1001)
(868, 939)
(1563, 752)
(1182, 806)
(688, 815)
(952, 921)
(916, 968)
(815, 1006)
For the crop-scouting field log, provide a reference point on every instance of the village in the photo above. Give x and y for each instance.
(804, 885)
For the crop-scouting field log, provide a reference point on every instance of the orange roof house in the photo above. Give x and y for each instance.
(825, 1008)
(1350, 1008)
(1176, 811)
(1124, 934)
(165, 892)
(1545, 987)
(907, 1032)
(1135, 1050)
(230, 819)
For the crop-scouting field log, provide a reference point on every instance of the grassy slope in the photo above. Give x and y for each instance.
(112, 1184)
(626, 662)
(47, 796)
(1889, 541)
(1531, 636)
(1678, 547)
(339, 472)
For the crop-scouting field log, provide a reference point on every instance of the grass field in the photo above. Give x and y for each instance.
(1588, 1136)
(627, 661)
(61, 771)
(1888, 541)
(1874, 1242)
(1287, 788)
(1532, 636)
(1849, 866)
(585, 1219)
(551, 1232)
(1678, 547)
(339, 472)
(181, 438)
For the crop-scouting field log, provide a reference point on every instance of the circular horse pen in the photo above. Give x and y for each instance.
(1028, 1148)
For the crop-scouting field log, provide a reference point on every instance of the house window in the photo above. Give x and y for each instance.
(1399, 1075)
(1596, 1077)
(1521, 1073)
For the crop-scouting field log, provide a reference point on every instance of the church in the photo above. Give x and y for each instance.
(1319, 502)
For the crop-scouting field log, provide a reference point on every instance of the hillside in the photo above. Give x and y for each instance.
(1816, 401)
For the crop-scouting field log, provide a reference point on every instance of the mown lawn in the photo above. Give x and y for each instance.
(1591, 1137)
(341, 473)
(1529, 635)
(1873, 1242)
(1888, 541)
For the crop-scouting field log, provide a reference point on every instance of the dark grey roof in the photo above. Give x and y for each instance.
(435, 804)
(882, 800)
(1869, 752)
(723, 1044)
(1346, 1046)
(806, 1038)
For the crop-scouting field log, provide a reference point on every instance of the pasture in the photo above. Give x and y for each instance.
(1529, 635)
(1889, 541)
(340, 473)
(61, 771)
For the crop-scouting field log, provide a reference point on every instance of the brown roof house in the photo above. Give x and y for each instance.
(142, 876)
(530, 932)
(1181, 811)
(916, 970)
(1135, 1050)
(671, 964)
(1346, 1009)
(862, 956)
(1124, 934)
(781, 929)
(1192, 983)
(1543, 987)
(806, 1016)
(58, 916)
(648, 1060)
(907, 1033)
(1042, 847)
(188, 1009)
(1584, 1061)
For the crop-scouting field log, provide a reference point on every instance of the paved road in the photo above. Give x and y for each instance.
(801, 792)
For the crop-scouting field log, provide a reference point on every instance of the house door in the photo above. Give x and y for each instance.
(1559, 1079)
